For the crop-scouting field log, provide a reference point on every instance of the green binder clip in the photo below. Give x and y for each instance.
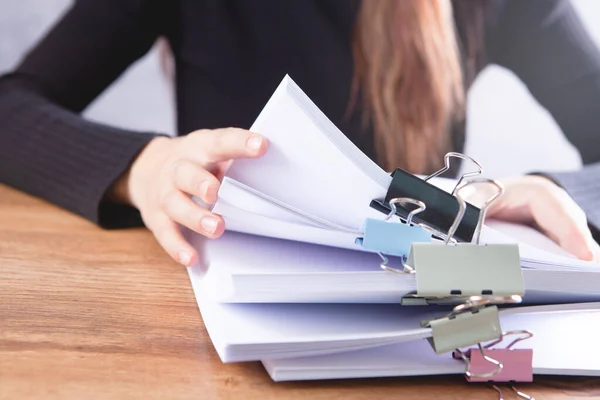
(468, 324)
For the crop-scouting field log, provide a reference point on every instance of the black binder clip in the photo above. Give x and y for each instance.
(441, 205)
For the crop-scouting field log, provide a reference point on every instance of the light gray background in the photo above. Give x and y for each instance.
(508, 131)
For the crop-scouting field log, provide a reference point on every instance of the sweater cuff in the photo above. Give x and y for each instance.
(584, 187)
(54, 154)
(107, 213)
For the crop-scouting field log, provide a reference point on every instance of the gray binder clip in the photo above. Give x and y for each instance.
(468, 324)
(446, 271)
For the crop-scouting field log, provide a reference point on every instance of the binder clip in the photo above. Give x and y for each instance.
(516, 364)
(468, 324)
(393, 238)
(452, 272)
(441, 206)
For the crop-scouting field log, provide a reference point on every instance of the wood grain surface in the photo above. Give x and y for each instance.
(92, 314)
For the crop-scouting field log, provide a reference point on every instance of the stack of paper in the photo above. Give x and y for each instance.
(562, 343)
(271, 288)
(273, 271)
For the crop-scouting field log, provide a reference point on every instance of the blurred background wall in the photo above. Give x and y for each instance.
(501, 111)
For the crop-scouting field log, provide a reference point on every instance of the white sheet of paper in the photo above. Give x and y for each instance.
(308, 156)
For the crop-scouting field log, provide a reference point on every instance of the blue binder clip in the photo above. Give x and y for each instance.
(393, 238)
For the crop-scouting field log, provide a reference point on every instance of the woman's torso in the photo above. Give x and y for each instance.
(230, 55)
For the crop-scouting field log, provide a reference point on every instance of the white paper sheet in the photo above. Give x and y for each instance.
(307, 156)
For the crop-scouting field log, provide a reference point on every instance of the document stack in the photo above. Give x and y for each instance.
(333, 268)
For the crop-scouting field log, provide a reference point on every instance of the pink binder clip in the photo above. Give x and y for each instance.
(517, 365)
(500, 365)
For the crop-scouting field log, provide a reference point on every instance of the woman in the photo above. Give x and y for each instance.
(391, 75)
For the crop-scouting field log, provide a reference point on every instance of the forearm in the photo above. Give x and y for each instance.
(52, 153)
(546, 45)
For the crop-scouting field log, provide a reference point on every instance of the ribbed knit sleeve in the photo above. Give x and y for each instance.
(52, 153)
(546, 45)
(46, 148)
(584, 188)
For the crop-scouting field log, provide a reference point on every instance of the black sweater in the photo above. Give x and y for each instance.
(229, 56)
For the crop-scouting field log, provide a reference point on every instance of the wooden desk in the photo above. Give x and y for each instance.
(89, 314)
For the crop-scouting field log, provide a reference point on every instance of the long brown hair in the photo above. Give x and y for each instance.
(408, 70)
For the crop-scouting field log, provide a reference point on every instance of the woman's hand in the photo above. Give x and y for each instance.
(537, 201)
(165, 175)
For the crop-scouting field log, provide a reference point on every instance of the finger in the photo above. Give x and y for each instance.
(195, 180)
(574, 238)
(221, 168)
(551, 210)
(168, 235)
(184, 211)
(561, 219)
(596, 250)
(511, 207)
(581, 244)
(521, 199)
(212, 146)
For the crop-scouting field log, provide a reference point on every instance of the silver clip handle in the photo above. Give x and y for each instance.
(462, 207)
(447, 167)
(514, 389)
(475, 302)
(403, 201)
(487, 358)
(525, 334)
(484, 207)
(384, 265)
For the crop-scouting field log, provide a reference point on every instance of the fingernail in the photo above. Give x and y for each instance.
(209, 224)
(185, 258)
(254, 142)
